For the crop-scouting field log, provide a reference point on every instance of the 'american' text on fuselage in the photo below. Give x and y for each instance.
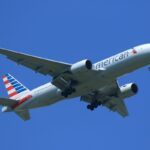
(112, 60)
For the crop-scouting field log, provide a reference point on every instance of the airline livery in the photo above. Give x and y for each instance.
(95, 84)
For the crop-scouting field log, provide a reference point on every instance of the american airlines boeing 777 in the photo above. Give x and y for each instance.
(95, 84)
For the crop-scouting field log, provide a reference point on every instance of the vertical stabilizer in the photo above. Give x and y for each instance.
(14, 88)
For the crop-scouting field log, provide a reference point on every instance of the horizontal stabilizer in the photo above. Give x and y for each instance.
(25, 115)
(7, 102)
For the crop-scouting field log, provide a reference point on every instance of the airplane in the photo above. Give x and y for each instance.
(94, 83)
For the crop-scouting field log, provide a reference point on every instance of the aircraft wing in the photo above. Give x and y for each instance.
(109, 98)
(117, 105)
(38, 64)
(58, 70)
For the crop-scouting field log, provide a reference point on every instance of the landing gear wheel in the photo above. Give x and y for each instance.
(90, 107)
(73, 90)
(64, 94)
(68, 92)
(99, 103)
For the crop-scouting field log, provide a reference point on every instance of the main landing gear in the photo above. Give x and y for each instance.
(69, 89)
(93, 105)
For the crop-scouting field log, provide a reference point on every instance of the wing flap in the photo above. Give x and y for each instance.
(117, 105)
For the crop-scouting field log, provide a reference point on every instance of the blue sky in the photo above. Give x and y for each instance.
(69, 31)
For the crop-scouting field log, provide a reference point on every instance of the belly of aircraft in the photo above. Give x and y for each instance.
(53, 95)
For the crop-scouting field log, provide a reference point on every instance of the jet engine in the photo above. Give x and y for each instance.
(128, 90)
(81, 66)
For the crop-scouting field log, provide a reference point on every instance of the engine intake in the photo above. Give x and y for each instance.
(81, 66)
(128, 90)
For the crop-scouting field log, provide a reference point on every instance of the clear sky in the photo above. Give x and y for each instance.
(69, 31)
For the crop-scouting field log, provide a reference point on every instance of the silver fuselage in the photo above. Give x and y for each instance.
(109, 69)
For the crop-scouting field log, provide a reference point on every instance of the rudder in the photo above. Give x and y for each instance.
(14, 88)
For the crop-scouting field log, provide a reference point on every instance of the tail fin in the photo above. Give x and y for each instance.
(14, 88)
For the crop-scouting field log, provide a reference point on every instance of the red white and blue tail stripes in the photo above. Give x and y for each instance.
(14, 88)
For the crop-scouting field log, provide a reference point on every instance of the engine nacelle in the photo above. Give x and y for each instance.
(128, 90)
(81, 66)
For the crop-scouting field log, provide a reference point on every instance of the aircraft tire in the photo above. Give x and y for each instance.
(90, 107)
